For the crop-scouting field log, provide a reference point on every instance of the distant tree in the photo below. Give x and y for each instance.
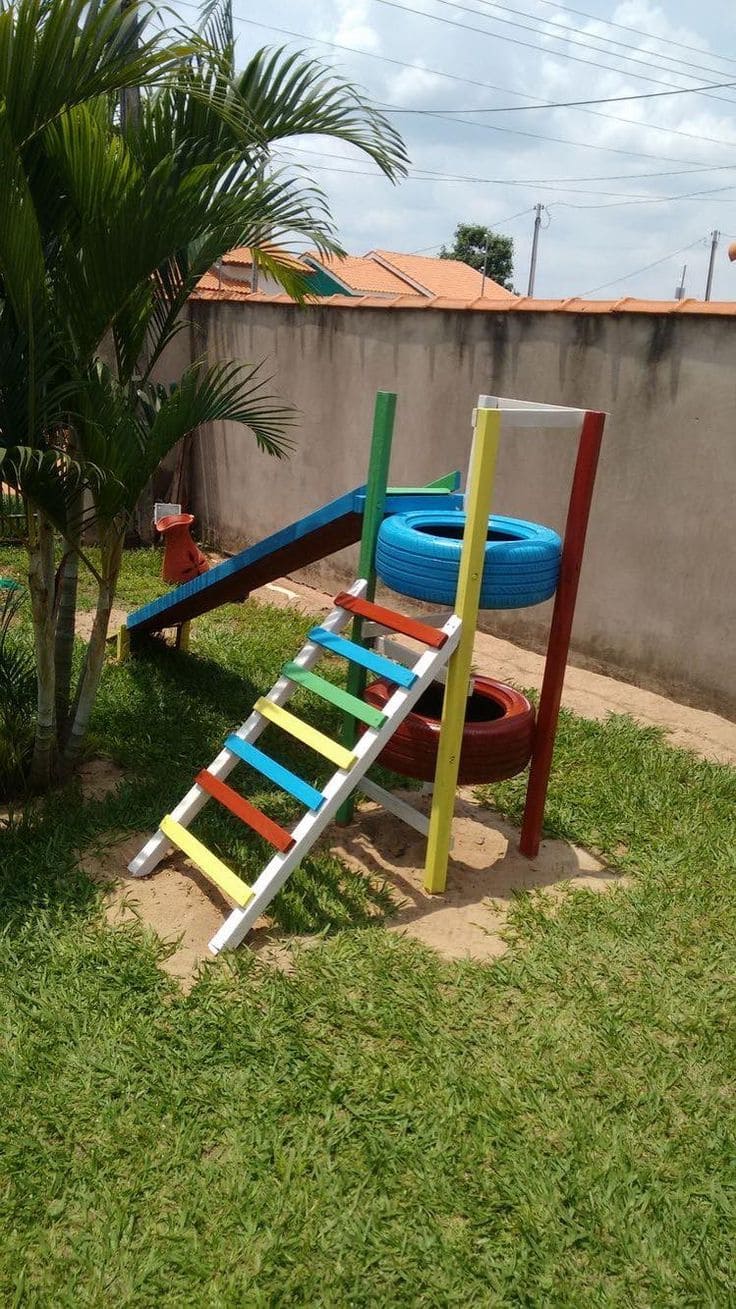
(474, 244)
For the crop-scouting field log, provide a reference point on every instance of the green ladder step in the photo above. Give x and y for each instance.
(335, 695)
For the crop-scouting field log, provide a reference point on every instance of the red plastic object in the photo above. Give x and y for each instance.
(497, 737)
(183, 560)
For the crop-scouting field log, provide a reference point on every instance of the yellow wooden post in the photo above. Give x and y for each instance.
(182, 635)
(477, 509)
(122, 644)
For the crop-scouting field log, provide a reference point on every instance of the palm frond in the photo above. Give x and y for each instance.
(289, 95)
(216, 28)
(58, 53)
(130, 439)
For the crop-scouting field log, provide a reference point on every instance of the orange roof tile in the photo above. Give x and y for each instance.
(508, 304)
(360, 273)
(449, 277)
(212, 287)
(242, 254)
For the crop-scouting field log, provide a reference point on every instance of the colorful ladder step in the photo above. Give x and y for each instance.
(334, 695)
(275, 772)
(272, 832)
(206, 861)
(431, 636)
(296, 727)
(368, 659)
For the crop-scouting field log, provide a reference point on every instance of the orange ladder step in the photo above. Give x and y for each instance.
(272, 832)
(430, 636)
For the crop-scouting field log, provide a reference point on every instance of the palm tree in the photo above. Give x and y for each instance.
(104, 233)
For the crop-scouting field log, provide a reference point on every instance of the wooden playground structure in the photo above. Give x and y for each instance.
(447, 640)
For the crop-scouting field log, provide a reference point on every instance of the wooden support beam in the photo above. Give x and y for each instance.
(478, 508)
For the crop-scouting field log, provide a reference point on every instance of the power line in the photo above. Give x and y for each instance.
(637, 31)
(558, 54)
(592, 36)
(501, 222)
(645, 269)
(533, 181)
(573, 104)
(543, 136)
(626, 200)
(467, 81)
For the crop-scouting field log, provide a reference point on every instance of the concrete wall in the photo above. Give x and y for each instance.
(657, 599)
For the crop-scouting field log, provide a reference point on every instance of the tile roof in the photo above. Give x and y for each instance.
(212, 287)
(443, 276)
(242, 254)
(360, 273)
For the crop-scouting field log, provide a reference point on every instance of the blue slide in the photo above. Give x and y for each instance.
(333, 527)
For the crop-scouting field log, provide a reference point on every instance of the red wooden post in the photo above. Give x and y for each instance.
(578, 512)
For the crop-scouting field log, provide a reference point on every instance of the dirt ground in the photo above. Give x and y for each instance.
(485, 872)
(468, 921)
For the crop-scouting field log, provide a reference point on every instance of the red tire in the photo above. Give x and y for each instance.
(497, 737)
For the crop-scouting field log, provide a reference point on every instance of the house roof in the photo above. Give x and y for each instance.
(212, 287)
(243, 256)
(448, 277)
(360, 273)
(384, 272)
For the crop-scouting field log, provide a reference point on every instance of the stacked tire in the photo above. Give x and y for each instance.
(497, 737)
(418, 554)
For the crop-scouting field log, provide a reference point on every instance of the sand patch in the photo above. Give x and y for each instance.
(98, 778)
(467, 921)
(179, 905)
(485, 872)
(86, 617)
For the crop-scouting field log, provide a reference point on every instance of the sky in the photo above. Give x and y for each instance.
(611, 227)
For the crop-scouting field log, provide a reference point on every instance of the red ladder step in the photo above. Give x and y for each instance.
(245, 811)
(388, 618)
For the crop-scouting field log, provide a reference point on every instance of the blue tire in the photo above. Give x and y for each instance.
(418, 554)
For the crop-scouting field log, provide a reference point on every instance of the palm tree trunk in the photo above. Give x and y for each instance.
(64, 644)
(41, 587)
(111, 549)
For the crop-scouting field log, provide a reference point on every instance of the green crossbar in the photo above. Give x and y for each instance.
(429, 491)
(440, 485)
(350, 704)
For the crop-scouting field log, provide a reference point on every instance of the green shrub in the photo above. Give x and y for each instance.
(17, 692)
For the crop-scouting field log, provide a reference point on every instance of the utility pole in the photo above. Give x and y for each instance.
(485, 266)
(711, 263)
(535, 242)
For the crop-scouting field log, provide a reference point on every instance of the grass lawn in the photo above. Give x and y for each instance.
(381, 1127)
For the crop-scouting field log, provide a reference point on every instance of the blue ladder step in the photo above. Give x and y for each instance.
(275, 772)
(357, 654)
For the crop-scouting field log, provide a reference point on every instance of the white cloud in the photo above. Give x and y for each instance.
(583, 246)
(354, 27)
(415, 86)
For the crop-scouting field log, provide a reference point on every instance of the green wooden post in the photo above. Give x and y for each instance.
(375, 500)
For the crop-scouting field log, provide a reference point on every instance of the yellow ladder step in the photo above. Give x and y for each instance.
(324, 745)
(210, 865)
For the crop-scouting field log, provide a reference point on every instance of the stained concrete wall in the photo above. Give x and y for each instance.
(657, 600)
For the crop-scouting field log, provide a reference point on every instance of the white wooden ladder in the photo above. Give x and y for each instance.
(321, 806)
